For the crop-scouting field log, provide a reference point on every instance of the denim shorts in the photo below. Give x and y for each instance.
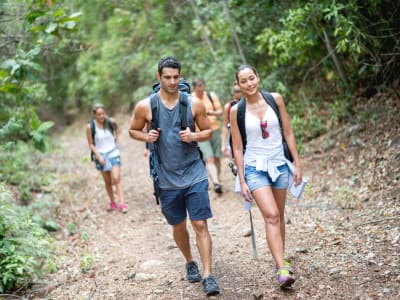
(194, 199)
(115, 161)
(256, 179)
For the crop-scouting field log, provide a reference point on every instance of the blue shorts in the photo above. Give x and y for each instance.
(115, 161)
(257, 179)
(194, 200)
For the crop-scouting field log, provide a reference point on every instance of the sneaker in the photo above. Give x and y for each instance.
(192, 272)
(287, 265)
(123, 208)
(285, 279)
(217, 188)
(113, 206)
(210, 286)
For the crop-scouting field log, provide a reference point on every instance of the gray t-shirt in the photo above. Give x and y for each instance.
(177, 164)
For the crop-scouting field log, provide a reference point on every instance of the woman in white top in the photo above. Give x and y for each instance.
(102, 134)
(262, 168)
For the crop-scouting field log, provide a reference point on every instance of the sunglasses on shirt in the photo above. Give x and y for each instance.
(263, 126)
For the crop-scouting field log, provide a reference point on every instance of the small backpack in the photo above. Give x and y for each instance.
(228, 125)
(211, 99)
(241, 111)
(108, 124)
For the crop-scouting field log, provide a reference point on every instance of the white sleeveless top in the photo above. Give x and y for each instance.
(105, 142)
(264, 154)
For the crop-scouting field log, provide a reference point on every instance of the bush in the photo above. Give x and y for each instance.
(21, 166)
(24, 245)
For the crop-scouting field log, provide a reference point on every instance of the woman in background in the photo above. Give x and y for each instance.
(102, 135)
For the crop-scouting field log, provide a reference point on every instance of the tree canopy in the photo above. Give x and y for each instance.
(62, 56)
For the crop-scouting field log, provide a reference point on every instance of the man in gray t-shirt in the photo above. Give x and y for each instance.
(182, 176)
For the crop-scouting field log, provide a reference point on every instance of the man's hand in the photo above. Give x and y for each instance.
(186, 135)
(153, 135)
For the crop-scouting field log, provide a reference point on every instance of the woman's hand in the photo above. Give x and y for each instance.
(298, 175)
(225, 151)
(246, 192)
(101, 160)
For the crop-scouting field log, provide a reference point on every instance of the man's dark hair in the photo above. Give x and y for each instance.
(168, 62)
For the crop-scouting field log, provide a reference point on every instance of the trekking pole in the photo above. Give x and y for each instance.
(253, 238)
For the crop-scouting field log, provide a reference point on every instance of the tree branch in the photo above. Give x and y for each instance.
(205, 35)
(233, 30)
(378, 221)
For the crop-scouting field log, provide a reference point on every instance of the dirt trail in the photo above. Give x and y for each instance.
(133, 256)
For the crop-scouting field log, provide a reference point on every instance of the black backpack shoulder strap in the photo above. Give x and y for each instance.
(241, 112)
(272, 103)
(211, 99)
(154, 121)
(183, 103)
(92, 129)
(231, 103)
(154, 111)
(110, 125)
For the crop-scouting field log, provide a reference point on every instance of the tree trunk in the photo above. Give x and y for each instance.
(205, 35)
(332, 53)
(234, 33)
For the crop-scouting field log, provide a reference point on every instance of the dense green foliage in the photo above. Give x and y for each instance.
(316, 53)
(24, 244)
(32, 30)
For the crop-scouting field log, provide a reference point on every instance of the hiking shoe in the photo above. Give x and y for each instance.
(123, 208)
(287, 265)
(192, 272)
(112, 206)
(285, 279)
(210, 286)
(217, 188)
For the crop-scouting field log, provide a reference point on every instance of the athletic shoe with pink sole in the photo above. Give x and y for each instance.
(112, 206)
(123, 208)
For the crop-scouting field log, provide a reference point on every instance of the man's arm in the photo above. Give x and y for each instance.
(217, 106)
(224, 132)
(140, 118)
(202, 122)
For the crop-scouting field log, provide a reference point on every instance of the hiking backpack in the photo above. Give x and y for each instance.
(184, 88)
(108, 124)
(241, 111)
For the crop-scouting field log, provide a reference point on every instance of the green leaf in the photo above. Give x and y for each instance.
(37, 28)
(34, 122)
(33, 52)
(9, 88)
(51, 28)
(10, 64)
(51, 225)
(33, 15)
(45, 126)
(69, 25)
(59, 12)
